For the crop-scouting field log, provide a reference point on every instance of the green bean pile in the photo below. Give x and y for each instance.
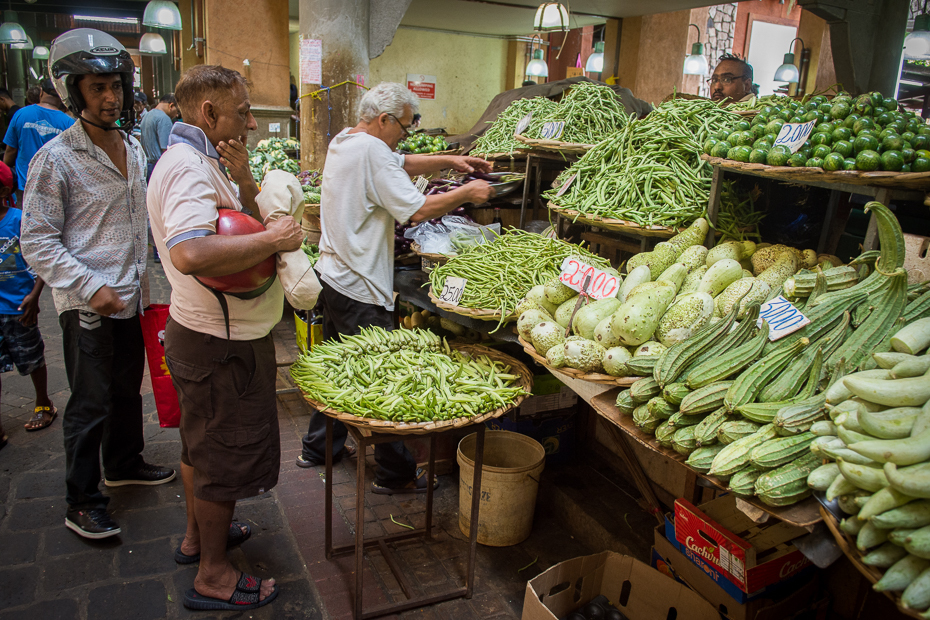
(500, 273)
(408, 375)
(591, 111)
(738, 218)
(499, 136)
(649, 172)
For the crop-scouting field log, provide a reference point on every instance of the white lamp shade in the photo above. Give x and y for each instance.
(551, 16)
(23, 46)
(40, 52)
(788, 72)
(162, 14)
(595, 62)
(151, 44)
(11, 32)
(917, 45)
(696, 64)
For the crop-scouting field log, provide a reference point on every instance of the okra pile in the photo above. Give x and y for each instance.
(403, 376)
(650, 171)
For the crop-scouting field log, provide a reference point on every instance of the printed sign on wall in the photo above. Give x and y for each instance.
(423, 86)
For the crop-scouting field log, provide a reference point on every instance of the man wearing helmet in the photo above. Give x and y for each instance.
(84, 233)
(218, 346)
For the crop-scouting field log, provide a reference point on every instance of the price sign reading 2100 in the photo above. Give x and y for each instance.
(602, 285)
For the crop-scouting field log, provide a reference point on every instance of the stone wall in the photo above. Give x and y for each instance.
(719, 31)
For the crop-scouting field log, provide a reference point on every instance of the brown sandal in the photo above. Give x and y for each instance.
(43, 416)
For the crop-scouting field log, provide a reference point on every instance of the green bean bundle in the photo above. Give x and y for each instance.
(403, 376)
(500, 273)
(499, 136)
(649, 172)
(590, 111)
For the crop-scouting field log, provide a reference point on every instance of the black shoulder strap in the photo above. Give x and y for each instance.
(221, 297)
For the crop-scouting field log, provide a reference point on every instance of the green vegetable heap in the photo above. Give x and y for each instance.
(404, 376)
(422, 143)
(864, 133)
(650, 171)
(270, 155)
(312, 251)
(500, 273)
(499, 136)
(590, 112)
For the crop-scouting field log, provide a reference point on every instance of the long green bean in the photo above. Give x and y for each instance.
(500, 273)
(403, 376)
(498, 138)
(589, 110)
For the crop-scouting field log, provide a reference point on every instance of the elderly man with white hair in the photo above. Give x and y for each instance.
(366, 188)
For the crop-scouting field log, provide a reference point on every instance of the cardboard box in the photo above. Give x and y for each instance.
(773, 603)
(749, 554)
(638, 591)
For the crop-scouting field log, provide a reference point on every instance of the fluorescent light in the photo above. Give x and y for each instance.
(34, 74)
(111, 20)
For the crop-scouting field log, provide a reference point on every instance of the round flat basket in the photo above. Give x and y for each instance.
(848, 545)
(593, 377)
(312, 209)
(554, 145)
(474, 313)
(417, 428)
(614, 224)
(439, 258)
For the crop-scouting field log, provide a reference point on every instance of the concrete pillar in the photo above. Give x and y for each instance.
(611, 48)
(867, 39)
(351, 33)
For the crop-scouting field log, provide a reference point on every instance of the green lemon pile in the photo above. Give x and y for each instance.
(865, 133)
(422, 143)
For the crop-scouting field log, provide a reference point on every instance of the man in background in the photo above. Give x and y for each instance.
(30, 130)
(156, 127)
(732, 79)
(8, 106)
(33, 94)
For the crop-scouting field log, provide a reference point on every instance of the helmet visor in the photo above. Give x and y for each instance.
(84, 63)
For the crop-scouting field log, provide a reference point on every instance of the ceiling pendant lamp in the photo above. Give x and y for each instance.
(551, 16)
(23, 46)
(162, 14)
(10, 31)
(152, 44)
(696, 62)
(595, 62)
(788, 71)
(917, 43)
(40, 52)
(537, 67)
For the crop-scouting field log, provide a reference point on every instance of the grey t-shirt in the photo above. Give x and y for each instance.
(155, 128)
(365, 190)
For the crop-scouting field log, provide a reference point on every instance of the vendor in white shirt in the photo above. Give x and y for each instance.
(367, 187)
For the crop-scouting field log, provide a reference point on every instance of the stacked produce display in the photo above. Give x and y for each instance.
(270, 154)
(864, 133)
(423, 143)
(714, 386)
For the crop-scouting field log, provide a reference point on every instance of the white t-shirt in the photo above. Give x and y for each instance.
(365, 190)
(183, 195)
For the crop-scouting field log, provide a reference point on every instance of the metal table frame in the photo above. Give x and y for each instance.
(363, 439)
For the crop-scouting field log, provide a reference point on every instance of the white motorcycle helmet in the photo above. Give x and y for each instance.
(85, 51)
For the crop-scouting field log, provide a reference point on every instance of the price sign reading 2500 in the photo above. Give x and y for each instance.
(602, 286)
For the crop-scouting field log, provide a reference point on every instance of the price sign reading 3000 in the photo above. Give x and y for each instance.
(782, 318)
(602, 286)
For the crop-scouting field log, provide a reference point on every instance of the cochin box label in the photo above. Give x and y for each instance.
(714, 548)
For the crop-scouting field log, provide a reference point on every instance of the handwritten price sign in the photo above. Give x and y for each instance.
(552, 130)
(602, 286)
(794, 135)
(523, 124)
(782, 317)
(452, 290)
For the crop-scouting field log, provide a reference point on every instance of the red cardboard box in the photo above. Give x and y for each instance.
(749, 554)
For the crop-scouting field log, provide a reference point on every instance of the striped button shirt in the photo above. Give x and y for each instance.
(84, 224)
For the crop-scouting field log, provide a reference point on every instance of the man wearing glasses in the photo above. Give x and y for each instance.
(366, 189)
(732, 79)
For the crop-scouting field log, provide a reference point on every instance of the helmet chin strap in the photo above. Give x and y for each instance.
(104, 127)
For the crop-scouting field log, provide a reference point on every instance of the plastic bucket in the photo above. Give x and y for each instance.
(509, 481)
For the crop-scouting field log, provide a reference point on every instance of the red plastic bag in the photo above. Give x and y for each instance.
(166, 398)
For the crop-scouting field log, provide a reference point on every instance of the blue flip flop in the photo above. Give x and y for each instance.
(236, 537)
(244, 597)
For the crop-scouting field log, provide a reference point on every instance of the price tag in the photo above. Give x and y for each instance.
(566, 185)
(523, 124)
(552, 130)
(602, 286)
(782, 318)
(794, 135)
(452, 290)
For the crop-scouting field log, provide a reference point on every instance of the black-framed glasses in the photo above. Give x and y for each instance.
(726, 79)
(405, 128)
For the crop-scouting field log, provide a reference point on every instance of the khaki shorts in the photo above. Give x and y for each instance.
(229, 415)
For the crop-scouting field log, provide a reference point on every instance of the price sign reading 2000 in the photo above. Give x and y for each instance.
(602, 286)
